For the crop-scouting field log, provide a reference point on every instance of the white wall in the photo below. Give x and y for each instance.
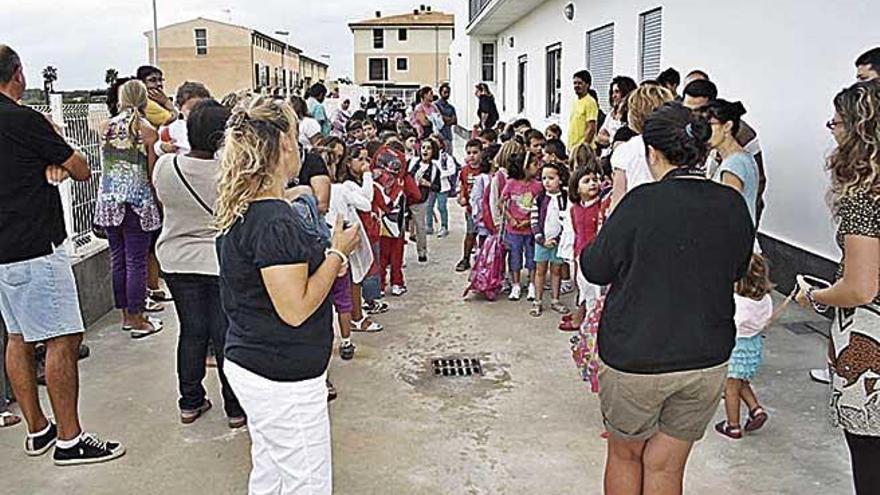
(784, 60)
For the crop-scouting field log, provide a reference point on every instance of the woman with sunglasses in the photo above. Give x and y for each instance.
(738, 168)
(854, 353)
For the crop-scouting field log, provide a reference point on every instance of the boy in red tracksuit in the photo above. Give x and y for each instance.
(399, 190)
(466, 180)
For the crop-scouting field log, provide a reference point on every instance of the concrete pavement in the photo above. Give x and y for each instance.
(528, 426)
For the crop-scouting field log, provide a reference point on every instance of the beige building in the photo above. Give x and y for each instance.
(403, 51)
(228, 58)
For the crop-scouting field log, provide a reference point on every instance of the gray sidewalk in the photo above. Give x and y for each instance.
(527, 427)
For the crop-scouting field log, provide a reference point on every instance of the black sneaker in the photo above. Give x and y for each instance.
(39, 445)
(423, 259)
(89, 450)
(463, 266)
(346, 351)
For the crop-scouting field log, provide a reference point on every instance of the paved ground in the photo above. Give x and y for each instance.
(529, 426)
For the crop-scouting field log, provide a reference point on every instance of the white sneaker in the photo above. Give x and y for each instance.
(443, 233)
(398, 290)
(566, 287)
(515, 293)
(531, 293)
(820, 375)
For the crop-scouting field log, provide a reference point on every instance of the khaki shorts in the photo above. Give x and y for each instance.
(635, 407)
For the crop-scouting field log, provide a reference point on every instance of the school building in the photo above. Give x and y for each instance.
(785, 60)
(226, 58)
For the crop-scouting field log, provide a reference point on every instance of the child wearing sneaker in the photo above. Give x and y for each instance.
(754, 310)
(466, 179)
(518, 198)
(548, 218)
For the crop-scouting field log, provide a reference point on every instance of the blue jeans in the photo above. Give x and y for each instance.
(440, 200)
(520, 246)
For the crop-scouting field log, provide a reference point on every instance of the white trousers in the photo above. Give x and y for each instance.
(290, 433)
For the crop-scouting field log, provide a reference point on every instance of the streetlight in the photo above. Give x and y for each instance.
(286, 35)
(155, 37)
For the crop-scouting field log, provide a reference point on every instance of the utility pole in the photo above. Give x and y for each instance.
(155, 37)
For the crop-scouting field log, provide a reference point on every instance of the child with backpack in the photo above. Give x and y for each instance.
(447, 172)
(466, 180)
(518, 199)
(398, 190)
(479, 196)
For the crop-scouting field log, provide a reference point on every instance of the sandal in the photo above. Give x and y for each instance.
(158, 295)
(732, 432)
(360, 326)
(568, 326)
(559, 307)
(377, 307)
(757, 417)
(155, 326)
(189, 416)
(151, 306)
(8, 419)
(537, 309)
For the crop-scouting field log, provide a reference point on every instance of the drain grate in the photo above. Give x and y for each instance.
(450, 367)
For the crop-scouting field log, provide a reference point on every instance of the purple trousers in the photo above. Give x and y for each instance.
(129, 245)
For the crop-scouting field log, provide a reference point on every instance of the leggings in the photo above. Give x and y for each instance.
(865, 454)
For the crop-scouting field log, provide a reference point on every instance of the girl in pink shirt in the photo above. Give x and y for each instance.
(518, 198)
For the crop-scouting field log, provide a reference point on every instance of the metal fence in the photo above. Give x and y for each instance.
(81, 124)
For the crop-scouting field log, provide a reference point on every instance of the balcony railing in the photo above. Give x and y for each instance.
(477, 6)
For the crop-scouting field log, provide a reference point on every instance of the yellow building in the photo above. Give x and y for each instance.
(228, 58)
(403, 51)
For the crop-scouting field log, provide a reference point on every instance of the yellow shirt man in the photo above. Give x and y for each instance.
(156, 114)
(585, 110)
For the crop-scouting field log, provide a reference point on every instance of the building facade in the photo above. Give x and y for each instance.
(770, 58)
(228, 58)
(403, 51)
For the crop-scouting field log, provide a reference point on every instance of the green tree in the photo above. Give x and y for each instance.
(111, 76)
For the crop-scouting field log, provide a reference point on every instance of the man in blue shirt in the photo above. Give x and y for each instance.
(447, 111)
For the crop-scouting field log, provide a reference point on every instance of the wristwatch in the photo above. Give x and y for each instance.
(817, 306)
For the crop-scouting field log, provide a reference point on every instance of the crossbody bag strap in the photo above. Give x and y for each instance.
(189, 188)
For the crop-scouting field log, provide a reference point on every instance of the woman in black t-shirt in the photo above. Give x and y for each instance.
(275, 276)
(671, 252)
(487, 111)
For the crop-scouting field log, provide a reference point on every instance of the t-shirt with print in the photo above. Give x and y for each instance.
(31, 217)
(630, 157)
(466, 179)
(585, 110)
(859, 215)
(743, 166)
(519, 196)
(271, 234)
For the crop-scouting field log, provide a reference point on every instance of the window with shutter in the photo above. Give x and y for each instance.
(651, 35)
(600, 60)
(554, 79)
(521, 78)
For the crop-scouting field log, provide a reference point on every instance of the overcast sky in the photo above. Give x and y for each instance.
(83, 38)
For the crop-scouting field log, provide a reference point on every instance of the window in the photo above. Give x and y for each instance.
(378, 39)
(488, 59)
(266, 76)
(256, 76)
(554, 79)
(402, 64)
(650, 37)
(600, 60)
(402, 35)
(503, 86)
(521, 77)
(378, 69)
(201, 41)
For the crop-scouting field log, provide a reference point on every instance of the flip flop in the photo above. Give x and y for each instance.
(8, 419)
(155, 327)
(568, 326)
(358, 326)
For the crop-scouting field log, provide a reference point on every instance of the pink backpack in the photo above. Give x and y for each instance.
(487, 276)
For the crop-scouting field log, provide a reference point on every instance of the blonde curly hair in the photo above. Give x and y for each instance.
(643, 101)
(251, 155)
(855, 163)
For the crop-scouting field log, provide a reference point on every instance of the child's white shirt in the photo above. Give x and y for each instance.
(751, 316)
(348, 198)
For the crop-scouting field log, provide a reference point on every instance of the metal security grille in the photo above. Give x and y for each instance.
(651, 36)
(600, 60)
(452, 367)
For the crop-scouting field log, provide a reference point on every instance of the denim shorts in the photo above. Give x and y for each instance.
(547, 255)
(521, 247)
(38, 297)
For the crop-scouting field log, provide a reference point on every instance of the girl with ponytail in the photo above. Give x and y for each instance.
(126, 207)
